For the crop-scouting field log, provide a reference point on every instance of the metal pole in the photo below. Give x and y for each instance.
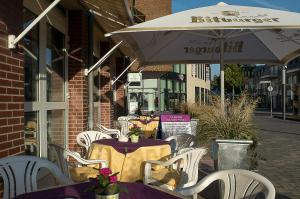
(13, 42)
(271, 111)
(115, 80)
(222, 71)
(90, 75)
(283, 92)
(103, 58)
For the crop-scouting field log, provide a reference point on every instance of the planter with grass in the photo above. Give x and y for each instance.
(230, 130)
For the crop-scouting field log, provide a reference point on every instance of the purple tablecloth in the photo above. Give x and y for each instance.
(135, 191)
(128, 147)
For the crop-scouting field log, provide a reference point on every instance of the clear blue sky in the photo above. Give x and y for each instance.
(289, 5)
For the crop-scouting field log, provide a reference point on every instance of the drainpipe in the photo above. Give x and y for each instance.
(90, 76)
(284, 92)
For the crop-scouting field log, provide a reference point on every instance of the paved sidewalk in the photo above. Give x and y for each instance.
(280, 145)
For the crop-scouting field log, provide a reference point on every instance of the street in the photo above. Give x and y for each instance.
(280, 146)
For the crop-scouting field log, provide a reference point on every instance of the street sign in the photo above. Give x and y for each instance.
(134, 77)
(270, 88)
(135, 80)
(265, 82)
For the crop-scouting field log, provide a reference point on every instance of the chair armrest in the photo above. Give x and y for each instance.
(200, 186)
(85, 161)
(108, 131)
(80, 143)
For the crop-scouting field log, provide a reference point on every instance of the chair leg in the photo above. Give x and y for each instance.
(195, 196)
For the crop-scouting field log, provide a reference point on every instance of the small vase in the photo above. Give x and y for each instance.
(115, 196)
(134, 138)
(123, 138)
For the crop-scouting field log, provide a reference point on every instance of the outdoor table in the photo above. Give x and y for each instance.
(135, 191)
(148, 125)
(128, 158)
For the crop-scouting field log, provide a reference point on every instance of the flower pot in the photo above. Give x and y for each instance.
(115, 196)
(230, 154)
(134, 138)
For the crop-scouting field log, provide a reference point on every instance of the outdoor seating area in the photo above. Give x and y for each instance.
(163, 168)
(140, 99)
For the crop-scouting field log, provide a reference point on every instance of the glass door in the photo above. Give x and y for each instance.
(45, 87)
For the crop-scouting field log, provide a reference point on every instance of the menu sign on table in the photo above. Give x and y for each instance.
(175, 124)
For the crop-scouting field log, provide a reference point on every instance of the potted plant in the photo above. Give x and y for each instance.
(106, 186)
(231, 129)
(134, 133)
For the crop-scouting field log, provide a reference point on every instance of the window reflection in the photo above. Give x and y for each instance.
(31, 132)
(55, 65)
(31, 54)
(56, 127)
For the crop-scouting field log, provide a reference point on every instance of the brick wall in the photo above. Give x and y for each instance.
(153, 9)
(78, 84)
(11, 82)
(120, 100)
(106, 106)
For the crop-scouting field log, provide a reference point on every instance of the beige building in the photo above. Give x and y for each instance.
(197, 82)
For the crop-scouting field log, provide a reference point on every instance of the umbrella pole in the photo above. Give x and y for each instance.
(222, 71)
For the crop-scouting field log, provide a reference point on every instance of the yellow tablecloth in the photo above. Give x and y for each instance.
(131, 165)
(148, 128)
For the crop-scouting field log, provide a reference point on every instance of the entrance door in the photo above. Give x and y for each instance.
(45, 74)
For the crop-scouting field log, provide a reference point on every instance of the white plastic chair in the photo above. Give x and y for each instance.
(59, 156)
(86, 138)
(19, 174)
(81, 172)
(238, 184)
(112, 132)
(123, 121)
(186, 165)
(181, 141)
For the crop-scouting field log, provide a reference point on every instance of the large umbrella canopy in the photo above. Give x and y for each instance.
(251, 35)
(216, 34)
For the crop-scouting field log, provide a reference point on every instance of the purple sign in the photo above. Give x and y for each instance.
(175, 118)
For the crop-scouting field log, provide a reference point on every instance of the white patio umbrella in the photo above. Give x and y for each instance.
(216, 34)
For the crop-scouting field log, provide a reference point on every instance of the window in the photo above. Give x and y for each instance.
(45, 86)
(55, 65)
(31, 58)
(183, 69)
(202, 95)
(30, 132)
(176, 68)
(197, 94)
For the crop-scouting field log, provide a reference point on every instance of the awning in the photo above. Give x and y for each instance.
(111, 16)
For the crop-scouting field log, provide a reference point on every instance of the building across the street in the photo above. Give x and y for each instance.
(259, 77)
(198, 83)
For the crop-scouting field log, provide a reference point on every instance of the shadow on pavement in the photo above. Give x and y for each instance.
(280, 196)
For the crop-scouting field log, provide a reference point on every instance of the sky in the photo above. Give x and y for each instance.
(288, 5)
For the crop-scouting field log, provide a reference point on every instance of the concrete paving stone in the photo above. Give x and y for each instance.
(280, 145)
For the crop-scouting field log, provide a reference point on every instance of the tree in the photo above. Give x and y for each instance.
(215, 84)
(233, 76)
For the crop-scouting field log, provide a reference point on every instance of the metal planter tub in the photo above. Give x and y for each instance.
(230, 154)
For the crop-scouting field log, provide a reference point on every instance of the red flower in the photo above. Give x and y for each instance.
(105, 171)
(113, 179)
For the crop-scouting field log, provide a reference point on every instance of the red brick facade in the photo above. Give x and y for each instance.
(12, 77)
(78, 83)
(11, 82)
(106, 107)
